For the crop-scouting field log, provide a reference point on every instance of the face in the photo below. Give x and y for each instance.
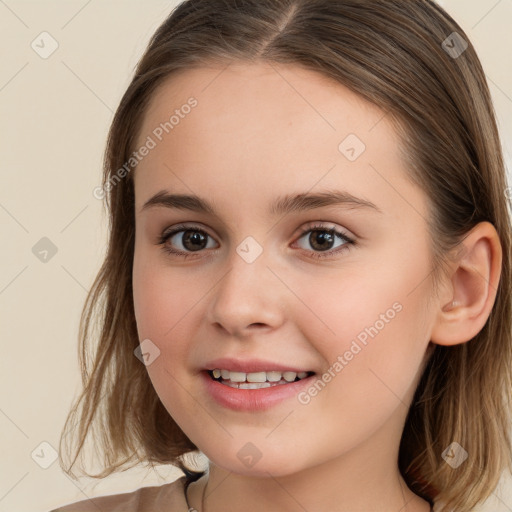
(336, 292)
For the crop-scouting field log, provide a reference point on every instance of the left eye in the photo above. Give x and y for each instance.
(321, 239)
(194, 239)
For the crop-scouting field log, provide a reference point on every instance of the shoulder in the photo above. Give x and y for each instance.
(164, 498)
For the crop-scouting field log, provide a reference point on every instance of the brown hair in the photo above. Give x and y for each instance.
(393, 54)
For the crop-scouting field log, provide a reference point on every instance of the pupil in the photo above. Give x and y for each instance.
(195, 238)
(324, 237)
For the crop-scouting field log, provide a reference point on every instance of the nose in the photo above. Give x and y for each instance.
(248, 298)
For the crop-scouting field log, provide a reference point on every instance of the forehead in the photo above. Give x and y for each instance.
(234, 90)
(257, 129)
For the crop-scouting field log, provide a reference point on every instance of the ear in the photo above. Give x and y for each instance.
(468, 297)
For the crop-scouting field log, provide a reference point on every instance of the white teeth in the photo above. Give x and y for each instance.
(274, 376)
(237, 376)
(256, 377)
(289, 376)
(254, 385)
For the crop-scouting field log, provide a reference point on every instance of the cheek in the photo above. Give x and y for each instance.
(161, 301)
(161, 297)
(169, 307)
(362, 308)
(371, 326)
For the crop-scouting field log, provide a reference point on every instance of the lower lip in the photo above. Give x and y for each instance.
(253, 399)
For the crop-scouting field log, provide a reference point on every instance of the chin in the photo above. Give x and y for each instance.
(262, 468)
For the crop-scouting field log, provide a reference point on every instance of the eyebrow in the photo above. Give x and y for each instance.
(281, 206)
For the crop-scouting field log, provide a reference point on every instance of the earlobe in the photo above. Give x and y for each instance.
(474, 282)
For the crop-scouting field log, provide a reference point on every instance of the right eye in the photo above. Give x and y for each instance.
(192, 239)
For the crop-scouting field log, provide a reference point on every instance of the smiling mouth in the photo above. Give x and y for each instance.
(256, 380)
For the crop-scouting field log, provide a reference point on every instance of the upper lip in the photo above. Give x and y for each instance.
(250, 365)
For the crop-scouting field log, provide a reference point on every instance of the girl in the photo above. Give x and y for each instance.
(308, 272)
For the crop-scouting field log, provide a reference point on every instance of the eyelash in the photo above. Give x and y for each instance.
(316, 227)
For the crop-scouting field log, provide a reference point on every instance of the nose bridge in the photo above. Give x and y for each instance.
(248, 293)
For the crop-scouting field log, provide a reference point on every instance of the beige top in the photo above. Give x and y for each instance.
(163, 498)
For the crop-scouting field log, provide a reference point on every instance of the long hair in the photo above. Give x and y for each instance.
(415, 62)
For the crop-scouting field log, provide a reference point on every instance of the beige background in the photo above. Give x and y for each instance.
(55, 113)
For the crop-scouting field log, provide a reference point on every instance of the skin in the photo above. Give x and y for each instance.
(259, 132)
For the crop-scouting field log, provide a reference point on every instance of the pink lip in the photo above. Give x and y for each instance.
(252, 400)
(250, 366)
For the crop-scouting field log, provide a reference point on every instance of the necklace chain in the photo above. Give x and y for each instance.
(192, 509)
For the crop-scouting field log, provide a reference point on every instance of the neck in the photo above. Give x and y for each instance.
(365, 478)
(229, 492)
